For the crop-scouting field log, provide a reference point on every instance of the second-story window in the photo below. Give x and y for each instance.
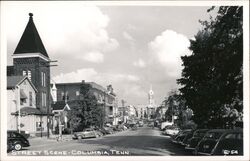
(24, 73)
(31, 99)
(43, 79)
(29, 74)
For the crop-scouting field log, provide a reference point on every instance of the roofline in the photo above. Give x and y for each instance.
(79, 83)
(26, 77)
(28, 55)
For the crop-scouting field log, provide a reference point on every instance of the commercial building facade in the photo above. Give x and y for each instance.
(106, 98)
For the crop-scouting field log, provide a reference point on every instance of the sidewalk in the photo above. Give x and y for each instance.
(52, 138)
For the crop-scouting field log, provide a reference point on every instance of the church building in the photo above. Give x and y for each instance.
(30, 59)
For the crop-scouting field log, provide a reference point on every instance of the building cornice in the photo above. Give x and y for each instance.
(30, 55)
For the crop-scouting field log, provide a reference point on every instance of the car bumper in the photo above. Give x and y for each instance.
(189, 148)
(206, 154)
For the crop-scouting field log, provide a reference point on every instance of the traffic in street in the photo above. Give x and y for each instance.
(142, 141)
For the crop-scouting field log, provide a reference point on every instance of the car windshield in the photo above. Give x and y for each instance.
(213, 135)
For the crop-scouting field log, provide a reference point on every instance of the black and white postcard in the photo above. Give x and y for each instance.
(127, 80)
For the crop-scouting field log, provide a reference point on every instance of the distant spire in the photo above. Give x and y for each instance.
(30, 41)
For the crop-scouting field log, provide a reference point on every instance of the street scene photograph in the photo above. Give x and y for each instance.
(86, 79)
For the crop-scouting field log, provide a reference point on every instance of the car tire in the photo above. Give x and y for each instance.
(17, 146)
(79, 137)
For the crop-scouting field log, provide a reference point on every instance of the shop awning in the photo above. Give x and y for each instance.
(29, 111)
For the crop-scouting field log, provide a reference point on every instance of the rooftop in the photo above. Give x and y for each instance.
(30, 41)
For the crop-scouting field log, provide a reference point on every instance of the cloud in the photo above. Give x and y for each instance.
(95, 57)
(139, 63)
(125, 85)
(65, 28)
(90, 74)
(134, 90)
(167, 48)
(127, 36)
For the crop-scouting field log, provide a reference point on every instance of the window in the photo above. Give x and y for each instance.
(44, 80)
(22, 101)
(231, 136)
(66, 96)
(62, 95)
(29, 74)
(77, 93)
(24, 73)
(39, 126)
(43, 99)
(31, 99)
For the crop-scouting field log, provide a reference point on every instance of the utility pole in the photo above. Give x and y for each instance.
(49, 107)
(123, 108)
(18, 108)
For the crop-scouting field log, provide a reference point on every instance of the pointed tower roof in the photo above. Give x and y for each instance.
(30, 41)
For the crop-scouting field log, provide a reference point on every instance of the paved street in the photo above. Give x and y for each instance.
(143, 141)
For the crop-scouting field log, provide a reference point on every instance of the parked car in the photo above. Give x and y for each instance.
(99, 132)
(16, 141)
(150, 124)
(188, 136)
(171, 131)
(86, 133)
(197, 136)
(180, 136)
(140, 123)
(221, 142)
(109, 130)
(164, 124)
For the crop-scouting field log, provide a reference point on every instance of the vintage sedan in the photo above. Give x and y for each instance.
(221, 142)
(188, 135)
(16, 141)
(180, 136)
(86, 133)
(171, 131)
(197, 136)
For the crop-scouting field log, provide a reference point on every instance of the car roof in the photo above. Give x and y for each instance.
(225, 130)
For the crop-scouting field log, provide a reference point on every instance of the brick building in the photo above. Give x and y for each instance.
(106, 98)
(30, 59)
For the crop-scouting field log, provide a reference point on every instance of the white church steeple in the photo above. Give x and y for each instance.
(151, 97)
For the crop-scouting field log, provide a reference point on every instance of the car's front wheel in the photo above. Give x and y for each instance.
(79, 137)
(17, 146)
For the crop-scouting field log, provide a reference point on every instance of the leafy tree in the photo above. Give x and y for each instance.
(177, 107)
(212, 75)
(85, 112)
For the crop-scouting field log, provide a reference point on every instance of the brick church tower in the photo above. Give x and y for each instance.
(30, 58)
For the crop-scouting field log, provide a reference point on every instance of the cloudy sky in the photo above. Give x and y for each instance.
(130, 47)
